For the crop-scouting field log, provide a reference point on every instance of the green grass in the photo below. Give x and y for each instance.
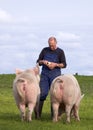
(10, 116)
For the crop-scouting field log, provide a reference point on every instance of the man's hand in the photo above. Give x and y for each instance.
(51, 65)
(43, 62)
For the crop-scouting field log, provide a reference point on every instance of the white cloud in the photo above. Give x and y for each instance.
(5, 16)
(5, 37)
(21, 51)
(64, 36)
(21, 43)
(68, 40)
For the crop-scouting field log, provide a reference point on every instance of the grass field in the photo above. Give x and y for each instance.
(10, 117)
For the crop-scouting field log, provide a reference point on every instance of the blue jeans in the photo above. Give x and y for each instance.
(45, 82)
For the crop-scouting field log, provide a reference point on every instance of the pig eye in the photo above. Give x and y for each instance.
(21, 80)
(59, 81)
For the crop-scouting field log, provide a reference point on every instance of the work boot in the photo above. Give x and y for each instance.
(40, 108)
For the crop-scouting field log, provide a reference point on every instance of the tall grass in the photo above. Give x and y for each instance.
(10, 116)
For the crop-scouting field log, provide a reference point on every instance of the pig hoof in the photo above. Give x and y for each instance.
(55, 120)
(77, 119)
(23, 119)
(29, 120)
(59, 117)
(68, 121)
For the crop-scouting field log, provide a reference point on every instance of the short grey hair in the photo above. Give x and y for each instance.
(52, 38)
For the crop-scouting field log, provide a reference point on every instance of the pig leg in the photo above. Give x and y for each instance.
(76, 113)
(55, 111)
(22, 111)
(61, 110)
(30, 110)
(72, 112)
(68, 111)
(36, 110)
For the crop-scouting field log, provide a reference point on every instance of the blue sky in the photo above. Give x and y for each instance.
(26, 25)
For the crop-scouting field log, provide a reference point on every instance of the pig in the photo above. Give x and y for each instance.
(65, 96)
(26, 92)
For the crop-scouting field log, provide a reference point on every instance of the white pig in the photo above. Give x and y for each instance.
(65, 95)
(26, 92)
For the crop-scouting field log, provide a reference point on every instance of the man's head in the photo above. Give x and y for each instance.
(52, 43)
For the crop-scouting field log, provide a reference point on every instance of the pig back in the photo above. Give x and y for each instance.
(65, 88)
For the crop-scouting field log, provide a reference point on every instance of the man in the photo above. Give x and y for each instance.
(52, 59)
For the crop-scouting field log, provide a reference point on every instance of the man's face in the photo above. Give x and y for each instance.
(52, 44)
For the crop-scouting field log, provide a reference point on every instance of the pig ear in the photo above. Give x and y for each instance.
(18, 71)
(58, 80)
(30, 70)
(36, 69)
